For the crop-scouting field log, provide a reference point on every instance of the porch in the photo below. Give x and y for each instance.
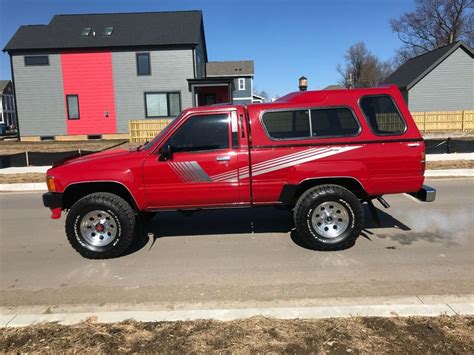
(211, 91)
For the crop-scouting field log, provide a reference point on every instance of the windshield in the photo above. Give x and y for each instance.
(161, 134)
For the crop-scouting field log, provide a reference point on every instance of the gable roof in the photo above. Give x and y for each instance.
(129, 29)
(230, 68)
(4, 84)
(415, 69)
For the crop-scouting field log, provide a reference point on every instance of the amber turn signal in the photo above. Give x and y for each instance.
(50, 183)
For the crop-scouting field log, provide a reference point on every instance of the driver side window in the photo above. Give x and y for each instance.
(200, 133)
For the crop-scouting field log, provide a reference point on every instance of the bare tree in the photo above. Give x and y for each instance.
(362, 68)
(433, 24)
(263, 94)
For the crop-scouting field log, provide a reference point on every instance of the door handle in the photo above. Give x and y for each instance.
(223, 158)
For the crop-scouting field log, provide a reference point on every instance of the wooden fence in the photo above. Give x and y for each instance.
(444, 121)
(144, 130)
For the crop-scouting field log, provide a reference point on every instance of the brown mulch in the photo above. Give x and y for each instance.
(13, 147)
(21, 178)
(450, 164)
(414, 335)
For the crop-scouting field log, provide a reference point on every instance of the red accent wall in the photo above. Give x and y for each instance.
(90, 76)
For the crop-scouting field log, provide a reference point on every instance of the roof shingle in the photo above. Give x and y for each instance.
(234, 68)
(130, 29)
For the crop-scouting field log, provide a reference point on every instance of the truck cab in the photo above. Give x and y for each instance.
(321, 154)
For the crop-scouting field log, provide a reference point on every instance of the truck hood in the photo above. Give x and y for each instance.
(76, 158)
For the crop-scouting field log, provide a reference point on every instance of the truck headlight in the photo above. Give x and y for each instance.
(50, 183)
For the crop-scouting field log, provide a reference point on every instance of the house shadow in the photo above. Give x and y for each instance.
(257, 220)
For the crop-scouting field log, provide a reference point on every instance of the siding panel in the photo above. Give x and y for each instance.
(247, 93)
(448, 87)
(170, 70)
(40, 97)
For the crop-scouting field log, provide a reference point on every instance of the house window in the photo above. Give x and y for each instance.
(37, 60)
(108, 31)
(198, 133)
(86, 31)
(72, 107)
(162, 104)
(382, 115)
(143, 64)
(241, 84)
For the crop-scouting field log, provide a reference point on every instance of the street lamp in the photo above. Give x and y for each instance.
(303, 83)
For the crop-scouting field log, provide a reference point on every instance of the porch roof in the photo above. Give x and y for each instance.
(210, 81)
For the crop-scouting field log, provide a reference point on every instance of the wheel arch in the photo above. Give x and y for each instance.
(73, 192)
(291, 193)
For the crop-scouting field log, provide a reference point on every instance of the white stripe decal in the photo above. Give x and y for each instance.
(272, 161)
(193, 172)
(264, 166)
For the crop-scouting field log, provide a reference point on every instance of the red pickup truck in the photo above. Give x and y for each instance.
(320, 153)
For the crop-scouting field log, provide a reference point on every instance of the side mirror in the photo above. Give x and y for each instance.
(166, 153)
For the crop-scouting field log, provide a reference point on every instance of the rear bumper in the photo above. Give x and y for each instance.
(52, 200)
(425, 194)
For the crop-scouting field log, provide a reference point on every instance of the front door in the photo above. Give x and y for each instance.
(202, 170)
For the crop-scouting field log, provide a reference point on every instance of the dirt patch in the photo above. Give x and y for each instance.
(13, 147)
(450, 164)
(22, 178)
(412, 335)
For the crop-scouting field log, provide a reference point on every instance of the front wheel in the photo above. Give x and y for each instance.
(101, 226)
(328, 217)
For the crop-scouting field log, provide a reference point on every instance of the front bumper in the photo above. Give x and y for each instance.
(52, 200)
(425, 194)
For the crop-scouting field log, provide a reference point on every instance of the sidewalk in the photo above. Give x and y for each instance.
(431, 306)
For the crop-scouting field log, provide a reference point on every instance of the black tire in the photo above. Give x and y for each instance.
(305, 211)
(122, 218)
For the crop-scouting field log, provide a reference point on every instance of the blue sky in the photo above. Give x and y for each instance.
(286, 39)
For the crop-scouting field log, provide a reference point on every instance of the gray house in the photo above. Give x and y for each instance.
(88, 75)
(440, 80)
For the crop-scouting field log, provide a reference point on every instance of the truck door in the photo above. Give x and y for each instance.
(202, 169)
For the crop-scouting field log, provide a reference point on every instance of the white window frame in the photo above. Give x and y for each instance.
(241, 84)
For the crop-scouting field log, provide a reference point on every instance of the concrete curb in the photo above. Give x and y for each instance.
(24, 170)
(382, 310)
(31, 186)
(450, 172)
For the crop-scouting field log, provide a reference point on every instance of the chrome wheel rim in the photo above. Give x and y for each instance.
(330, 219)
(98, 228)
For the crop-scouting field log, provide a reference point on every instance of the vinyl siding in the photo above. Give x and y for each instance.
(247, 93)
(170, 70)
(448, 87)
(40, 97)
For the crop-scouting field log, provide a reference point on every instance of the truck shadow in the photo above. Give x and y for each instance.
(241, 221)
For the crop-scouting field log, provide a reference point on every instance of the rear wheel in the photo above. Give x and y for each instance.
(100, 226)
(328, 217)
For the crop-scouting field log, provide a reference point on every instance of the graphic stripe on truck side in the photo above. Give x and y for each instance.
(191, 171)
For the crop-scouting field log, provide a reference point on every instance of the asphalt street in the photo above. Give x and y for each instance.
(241, 257)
